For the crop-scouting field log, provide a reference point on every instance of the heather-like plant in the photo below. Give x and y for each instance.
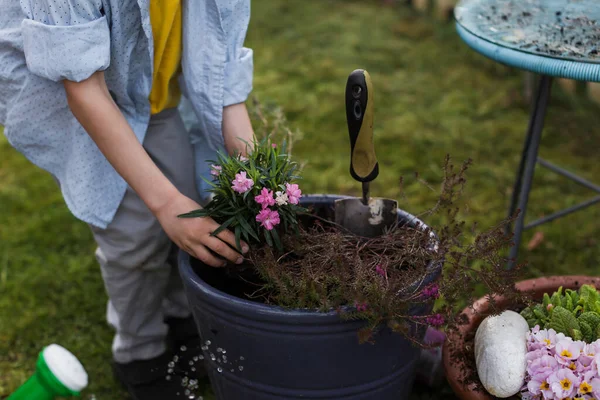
(254, 196)
(326, 268)
(572, 313)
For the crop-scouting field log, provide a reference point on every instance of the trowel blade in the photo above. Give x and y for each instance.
(369, 220)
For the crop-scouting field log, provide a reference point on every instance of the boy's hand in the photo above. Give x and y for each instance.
(237, 130)
(194, 234)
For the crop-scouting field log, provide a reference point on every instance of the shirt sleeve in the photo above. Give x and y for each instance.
(65, 39)
(239, 62)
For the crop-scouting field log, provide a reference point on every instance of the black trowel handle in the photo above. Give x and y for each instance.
(359, 114)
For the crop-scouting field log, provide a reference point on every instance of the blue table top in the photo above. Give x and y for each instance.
(553, 37)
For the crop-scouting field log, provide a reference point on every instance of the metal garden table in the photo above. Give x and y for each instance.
(551, 38)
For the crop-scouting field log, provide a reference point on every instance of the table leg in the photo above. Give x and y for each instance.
(528, 162)
(518, 181)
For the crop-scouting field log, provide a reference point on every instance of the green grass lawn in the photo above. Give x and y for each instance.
(433, 96)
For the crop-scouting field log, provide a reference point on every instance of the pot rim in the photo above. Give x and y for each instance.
(268, 312)
(475, 316)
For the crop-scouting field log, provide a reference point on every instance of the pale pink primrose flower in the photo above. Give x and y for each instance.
(537, 353)
(568, 350)
(293, 193)
(596, 362)
(532, 342)
(581, 366)
(548, 337)
(585, 385)
(215, 170)
(596, 387)
(281, 198)
(591, 349)
(268, 218)
(241, 183)
(586, 359)
(564, 383)
(541, 367)
(274, 145)
(265, 198)
(540, 386)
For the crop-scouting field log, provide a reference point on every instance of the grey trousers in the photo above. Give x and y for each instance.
(137, 259)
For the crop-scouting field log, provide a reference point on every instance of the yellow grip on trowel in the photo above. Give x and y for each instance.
(359, 115)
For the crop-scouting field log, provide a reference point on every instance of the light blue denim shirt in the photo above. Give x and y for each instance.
(43, 42)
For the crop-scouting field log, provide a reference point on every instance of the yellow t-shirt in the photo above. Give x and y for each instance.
(165, 17)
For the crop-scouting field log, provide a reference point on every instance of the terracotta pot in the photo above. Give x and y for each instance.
(537, 288)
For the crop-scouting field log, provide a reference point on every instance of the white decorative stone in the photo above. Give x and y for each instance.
(500, 350)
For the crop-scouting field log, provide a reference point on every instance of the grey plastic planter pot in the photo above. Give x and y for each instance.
(262, 352)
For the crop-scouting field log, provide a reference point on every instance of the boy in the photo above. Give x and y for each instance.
(89, 91)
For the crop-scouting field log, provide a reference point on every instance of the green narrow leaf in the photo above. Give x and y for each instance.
(223, 226)
(211, 183)
(234, 212)
(273, 161)
(277, 240)
(238, 233)
(195, 214)
(246, 226)
(268, 238)
(285, 225)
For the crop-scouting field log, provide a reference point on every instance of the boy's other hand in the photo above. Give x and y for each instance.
(237, 130)
(194, 235)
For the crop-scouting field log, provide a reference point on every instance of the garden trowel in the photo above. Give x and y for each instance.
(367, 217)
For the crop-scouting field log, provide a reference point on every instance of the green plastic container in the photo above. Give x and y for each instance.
(58, 374)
